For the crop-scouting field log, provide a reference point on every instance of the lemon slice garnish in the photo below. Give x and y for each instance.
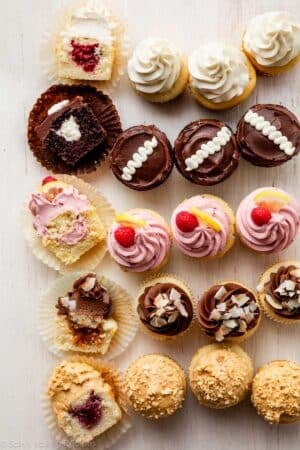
(53, 184)
(130, 220)
(206, 218)
(273, 200)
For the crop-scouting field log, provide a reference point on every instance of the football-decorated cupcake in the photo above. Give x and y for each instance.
(228, 311)
(206, 152)
(165, 307)
(279, 292)
(267, 220)
(65, 222)
(268, 135)
(142, 157)
(272, 42)
(203, 227)
(139, 240)
(221, 76)
(86, 312)
(84, 403)
(157, 70)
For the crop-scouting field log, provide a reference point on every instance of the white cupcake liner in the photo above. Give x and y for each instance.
(51, 36)
(122, 313)
(91, 258)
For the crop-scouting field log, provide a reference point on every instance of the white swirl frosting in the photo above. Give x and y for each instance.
(138, 158)
(154, 66)
(273, 38)
(219, 72)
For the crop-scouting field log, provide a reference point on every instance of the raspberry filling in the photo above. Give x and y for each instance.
(88, 413)
(85, 55)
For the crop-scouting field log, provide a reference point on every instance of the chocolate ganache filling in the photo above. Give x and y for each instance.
(165, 308)
(282, 291)
(227, 310)
(88, 413)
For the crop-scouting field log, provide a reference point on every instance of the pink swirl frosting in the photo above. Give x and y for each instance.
(151, 244)
(203, 241)
(274, 236)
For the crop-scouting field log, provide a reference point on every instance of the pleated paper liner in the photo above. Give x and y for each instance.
(234, 339)
(106, 440)
(51, 37)
(90, 259)
(266, 308)
(164, 278)
(122, 313)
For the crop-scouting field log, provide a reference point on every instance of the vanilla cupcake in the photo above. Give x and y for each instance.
(279, 292)
(221, 76)
(139, 240)
(157, 71)
(272, 42)
(203, 227)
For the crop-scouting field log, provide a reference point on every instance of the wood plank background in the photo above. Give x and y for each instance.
(26, 361)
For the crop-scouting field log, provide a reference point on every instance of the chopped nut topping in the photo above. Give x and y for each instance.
(89, 283)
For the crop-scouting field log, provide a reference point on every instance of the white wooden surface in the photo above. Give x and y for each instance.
(25, 360)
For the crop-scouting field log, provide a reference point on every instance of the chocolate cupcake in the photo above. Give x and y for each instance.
(206, 152)
(71, 128)
(268, 135)
(142, 157)
(228, 311)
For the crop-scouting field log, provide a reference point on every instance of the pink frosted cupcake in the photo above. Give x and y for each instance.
(139, 240)
(203, 227)
(268, 219)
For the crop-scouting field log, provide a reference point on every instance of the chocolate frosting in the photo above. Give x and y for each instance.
(208, 303)
(284, 273)
(155, 169)
(257, 148)
(215, 168)
(174, 319)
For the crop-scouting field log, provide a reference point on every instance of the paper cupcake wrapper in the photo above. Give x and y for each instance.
(51, 37)
(90, 259)
(122, 313)
(106, 440)
(165, 277)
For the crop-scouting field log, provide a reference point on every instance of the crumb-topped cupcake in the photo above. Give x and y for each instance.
(228, 311)
(272, 42)
(139, 240)
(279, 292)
(157, 71)
(203, 226)
(268, 219)
(221, 76)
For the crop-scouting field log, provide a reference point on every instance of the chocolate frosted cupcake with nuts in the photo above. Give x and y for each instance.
(71, 128)
(165, 307)
(142, 157)
(228, 312)
(206, 152)
(279, 292)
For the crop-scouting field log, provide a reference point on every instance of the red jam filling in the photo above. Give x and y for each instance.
(85, 55)
(89, 413)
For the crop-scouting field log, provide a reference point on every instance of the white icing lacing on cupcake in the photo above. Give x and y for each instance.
(209, 148)
(260, 124)
(57, 107)
(138, 158)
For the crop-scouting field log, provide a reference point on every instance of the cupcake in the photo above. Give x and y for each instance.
(220, 375)
(279, 292)
(157, 71)
(86, 312)
(206, 152)
(221, 76)
(203, 227)
(268, 135)
(86, 403)
(139, 240)
(155, 386)
(276, 392)
(66, 223)
(71, 128)
(268, 219)
(142, 157)
(272, 42)
(165, 307)
(228, 311)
